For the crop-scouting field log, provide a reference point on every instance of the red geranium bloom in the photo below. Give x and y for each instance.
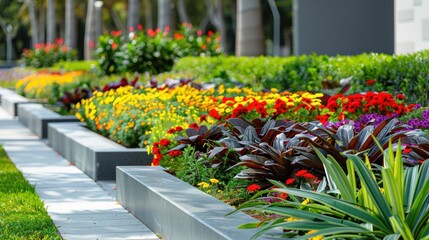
(400, 96)
(203, 117)
(253, 187)
(290, 181)
(164, 142)
(175, 153)
(194, 126)
(282, 195)
(309, 176)
(300, 173)
(370, 82)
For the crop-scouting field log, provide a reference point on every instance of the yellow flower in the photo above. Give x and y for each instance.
(314, 238)
(203, 185)
(306, 201)
(214, 180)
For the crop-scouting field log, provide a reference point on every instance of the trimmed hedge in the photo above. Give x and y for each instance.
(407, 74)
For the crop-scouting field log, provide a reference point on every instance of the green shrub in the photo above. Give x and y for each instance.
(154, 52)
(252, 70)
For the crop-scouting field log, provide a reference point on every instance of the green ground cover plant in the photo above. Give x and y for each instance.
(22, 214)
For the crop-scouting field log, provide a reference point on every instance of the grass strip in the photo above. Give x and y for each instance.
(22, 214)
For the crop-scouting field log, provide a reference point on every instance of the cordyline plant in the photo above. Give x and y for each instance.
(353, 207)
(292, 147)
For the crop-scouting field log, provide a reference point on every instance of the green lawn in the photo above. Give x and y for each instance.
(22, 215)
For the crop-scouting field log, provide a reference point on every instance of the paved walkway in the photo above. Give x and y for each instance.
(79, 207)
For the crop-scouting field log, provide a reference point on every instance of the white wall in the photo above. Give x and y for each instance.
(411, 25)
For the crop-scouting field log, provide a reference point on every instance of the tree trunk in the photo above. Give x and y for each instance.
(70, 36)
(42, 25)
(148, 14)
(133, 13)
(164, 14)
(89, 31)
(33, 22)
(119, 25)
(250, 35)
(50, 38)
(183, 14)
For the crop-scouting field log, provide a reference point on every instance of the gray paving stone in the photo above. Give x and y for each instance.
(72, 199)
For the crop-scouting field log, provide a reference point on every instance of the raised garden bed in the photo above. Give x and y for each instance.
(11, 100)
(5, 91)
(94, 154)
(176, 209)
(36, 117)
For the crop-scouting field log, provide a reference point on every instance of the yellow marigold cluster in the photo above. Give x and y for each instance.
(41, 85)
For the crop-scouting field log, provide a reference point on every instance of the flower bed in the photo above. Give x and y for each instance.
(45, 84)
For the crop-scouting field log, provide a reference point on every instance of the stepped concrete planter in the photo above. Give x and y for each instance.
(5, 91)
(36, 118)
(94, 154)
(10, 102)
(176, 209)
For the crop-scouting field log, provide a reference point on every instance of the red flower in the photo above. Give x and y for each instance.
(175, 153)
(309, 176)
(199, 32)
(179, 129)
(370, 82)
(209, 33)
(323, 119)
(131, 29)
(300, 173)
(139, 27)
(253, 188)
(203, 117)
(114, 45)
(178, 36)
(290, 181)
(167, 29)
(400, 96)
(116, 33)
(203, 47)
(282, 195)
(214, 114)
(164, 142)
(194, 126)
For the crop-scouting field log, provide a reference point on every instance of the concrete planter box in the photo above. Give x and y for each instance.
(36, 118)
(176, 209)
(5, 91)
(10, 102)
(94, 154)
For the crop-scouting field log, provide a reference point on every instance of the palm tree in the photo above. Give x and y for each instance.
(50, 37)
(89, 31)
(164, 14)
(250, 35)
(133, 13)
(33, 22)
(70, 35)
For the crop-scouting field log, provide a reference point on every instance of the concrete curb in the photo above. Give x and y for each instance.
(174, 208)
(94, 154)
(36, 118)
